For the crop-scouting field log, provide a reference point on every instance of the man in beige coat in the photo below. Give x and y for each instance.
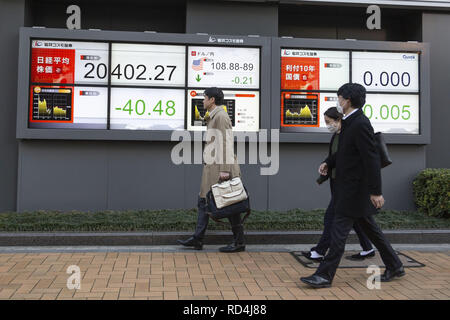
(220, 163)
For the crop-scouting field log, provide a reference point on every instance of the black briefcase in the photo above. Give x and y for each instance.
(385, 159)
(216, 214)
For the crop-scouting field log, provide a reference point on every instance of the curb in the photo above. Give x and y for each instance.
(212, 237)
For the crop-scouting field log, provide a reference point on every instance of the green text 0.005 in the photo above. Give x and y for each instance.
(385, 112)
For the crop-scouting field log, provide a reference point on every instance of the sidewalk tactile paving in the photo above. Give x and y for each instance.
(408, 262)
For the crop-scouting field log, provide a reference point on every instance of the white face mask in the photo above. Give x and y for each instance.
(340, 108)
(332, 129)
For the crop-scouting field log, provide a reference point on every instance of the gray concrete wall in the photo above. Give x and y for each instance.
(113, 175)
(347, 22)
(436, 28)
(11, 19)
(295, 185)
(129, 15)
(222, 17)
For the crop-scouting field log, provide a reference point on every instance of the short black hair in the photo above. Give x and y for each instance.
(355, 92)
(215, 93)
(333, 113)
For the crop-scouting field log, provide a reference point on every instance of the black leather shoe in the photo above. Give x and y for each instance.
(191, 242)
(389, 275)
(316, 281)
(360, 257)
(233, 248)
(307, 254)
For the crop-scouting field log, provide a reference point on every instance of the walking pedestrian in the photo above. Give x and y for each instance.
(358, 189)
(223, 167)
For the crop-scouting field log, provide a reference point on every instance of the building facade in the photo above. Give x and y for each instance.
(116, 175)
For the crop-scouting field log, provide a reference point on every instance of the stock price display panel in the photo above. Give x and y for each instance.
(310, 79)
(393, 113)
(236, 70)
(139, 86)
(147, 109)
(223, 67)
(392, 83)
(53, 107)
(152, 66)
(69, 62)
(52, 104)
(301, 109)
(242, 108)
(318, 72)
(60, 95)
(314, 69)
(148, 65)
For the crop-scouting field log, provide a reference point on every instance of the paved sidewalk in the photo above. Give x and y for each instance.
(206, 275)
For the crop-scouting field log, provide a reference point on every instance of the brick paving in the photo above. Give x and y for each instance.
(206, 275)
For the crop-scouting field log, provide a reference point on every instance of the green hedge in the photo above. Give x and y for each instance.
(185, 220)
(431, 190)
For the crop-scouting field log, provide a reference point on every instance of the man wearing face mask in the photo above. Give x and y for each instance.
(333, 121)
(358, 189)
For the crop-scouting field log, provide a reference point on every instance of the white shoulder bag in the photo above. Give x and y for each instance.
(228, 192)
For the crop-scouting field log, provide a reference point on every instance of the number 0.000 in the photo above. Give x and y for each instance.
(394, 78)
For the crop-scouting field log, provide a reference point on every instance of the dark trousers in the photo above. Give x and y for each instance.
(203, 219)
(324, 242)
(339, 233)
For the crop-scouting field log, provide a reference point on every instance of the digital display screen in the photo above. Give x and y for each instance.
(147, 109)
(53, 107)
(242, 108)
(393, 113)
(60, 95)
(223, 67)
(148, 65)
(310, 80)
(314, 69)
(52, 104)
(300, 109)
(386, 71)
(69, 62)
(131, 86)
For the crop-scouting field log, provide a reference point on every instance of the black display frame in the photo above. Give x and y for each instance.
(311, 135)
(28, 34)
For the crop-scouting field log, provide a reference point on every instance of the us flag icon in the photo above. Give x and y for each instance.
(197, 65)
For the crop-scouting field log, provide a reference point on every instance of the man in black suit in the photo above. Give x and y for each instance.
(358, 189)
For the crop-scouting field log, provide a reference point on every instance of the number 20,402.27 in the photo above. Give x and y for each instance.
(130, 72)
